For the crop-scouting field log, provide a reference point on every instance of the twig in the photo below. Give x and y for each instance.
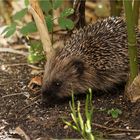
(36, 92)
(19, 64)
(14, 94)
(37, 13)
(35, 67)
(10, 50)
(116, 129)
(22, 133)
(34, 101)
(23, 64)
(79, 13)
(21, 111)
(117, 134)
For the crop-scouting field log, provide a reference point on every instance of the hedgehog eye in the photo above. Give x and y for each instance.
(57, 84)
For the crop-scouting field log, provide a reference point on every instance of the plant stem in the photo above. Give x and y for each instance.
(132, 49)
(91, 137)
(79, 13)
(52, 14)
(136, 11)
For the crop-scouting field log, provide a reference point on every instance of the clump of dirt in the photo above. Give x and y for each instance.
(20, 107)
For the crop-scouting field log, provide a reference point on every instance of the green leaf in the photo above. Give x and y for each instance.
(28, 28)
(90, 93)
(19, 15)
(81, 122)
(67, 12)
(73, 103)
(10, 30)
(88, 126)
(36, 52)
(57, 4)
(73, 110)
(45, 5)
(5, 30)
(65, 23)
(114, 112)
(34, 59)
(26, 2)
(88, 106)
(49, 22)
(70, 125)
(74, 119)
(84, 128)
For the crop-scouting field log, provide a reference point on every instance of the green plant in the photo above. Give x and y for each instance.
(46, 6)
(35, 52)
(131, 13)
(114, 112)
(83, 127)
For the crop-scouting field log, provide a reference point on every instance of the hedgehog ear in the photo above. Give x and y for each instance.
(79, 66)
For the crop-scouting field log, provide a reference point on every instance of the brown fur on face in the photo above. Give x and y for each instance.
(62, 76)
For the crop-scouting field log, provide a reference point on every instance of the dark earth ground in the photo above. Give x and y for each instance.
(18, 108)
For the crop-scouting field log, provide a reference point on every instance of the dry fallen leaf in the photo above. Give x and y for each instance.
(35, 83)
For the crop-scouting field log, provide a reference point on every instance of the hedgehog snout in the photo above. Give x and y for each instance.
(46, 94)
(49, 95)
(43, 94)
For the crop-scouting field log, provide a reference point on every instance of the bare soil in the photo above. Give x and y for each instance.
(21, 108)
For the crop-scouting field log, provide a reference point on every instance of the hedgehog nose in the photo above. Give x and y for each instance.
(44, 94)
(47, 95)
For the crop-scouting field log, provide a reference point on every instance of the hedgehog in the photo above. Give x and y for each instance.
(94, 57)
